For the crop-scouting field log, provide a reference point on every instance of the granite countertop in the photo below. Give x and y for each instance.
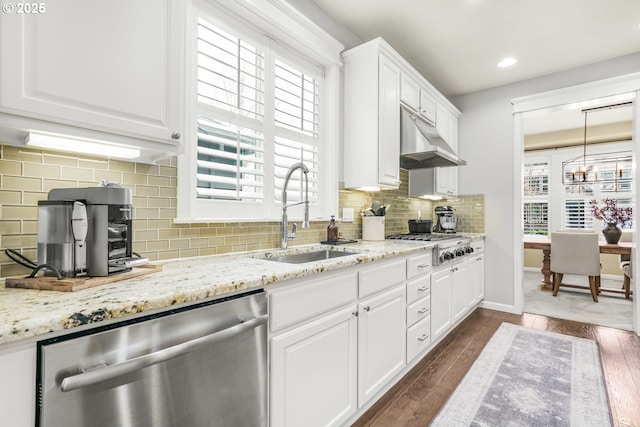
(26, 313)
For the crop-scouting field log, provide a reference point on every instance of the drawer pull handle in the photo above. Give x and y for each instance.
(424, 288)
(423, 265)
(423, 337)
(423, 310)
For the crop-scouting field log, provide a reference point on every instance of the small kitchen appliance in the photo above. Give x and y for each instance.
(86, 231)
(446, 220)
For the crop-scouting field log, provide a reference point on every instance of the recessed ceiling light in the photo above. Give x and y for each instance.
(507, 62)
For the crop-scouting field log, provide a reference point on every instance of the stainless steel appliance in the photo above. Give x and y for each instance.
(421, 146)
(62, 234)
(107, 248)
(446, 220)
(448, 247)
(202, 366)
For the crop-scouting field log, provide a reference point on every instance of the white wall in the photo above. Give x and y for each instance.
(486, 142)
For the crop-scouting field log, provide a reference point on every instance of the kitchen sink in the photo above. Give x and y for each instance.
(301, 258)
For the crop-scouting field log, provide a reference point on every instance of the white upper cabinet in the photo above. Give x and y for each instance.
(376, 81)
(110, 67)
(372, 117)
(417, 97)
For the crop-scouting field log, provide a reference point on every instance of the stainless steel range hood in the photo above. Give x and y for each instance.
(421, 146)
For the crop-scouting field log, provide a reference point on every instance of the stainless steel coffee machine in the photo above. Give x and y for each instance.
(446, 221)
(86, 231)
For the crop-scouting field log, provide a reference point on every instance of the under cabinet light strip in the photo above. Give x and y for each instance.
(78, 145)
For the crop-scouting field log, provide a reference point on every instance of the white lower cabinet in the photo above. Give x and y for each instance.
(18, 391)
(314, 371)
(441, 304)
(381, 341)
(476, 277)
(461, 290)
(418, 337)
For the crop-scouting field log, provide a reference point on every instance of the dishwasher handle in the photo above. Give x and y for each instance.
(89, 378)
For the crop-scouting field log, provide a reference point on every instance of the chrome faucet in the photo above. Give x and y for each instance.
(305, 223)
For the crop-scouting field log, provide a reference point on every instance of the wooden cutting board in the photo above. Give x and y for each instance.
(47, 283)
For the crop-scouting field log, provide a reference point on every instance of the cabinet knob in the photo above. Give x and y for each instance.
(355, 313)
(175, 135)
(366, 308)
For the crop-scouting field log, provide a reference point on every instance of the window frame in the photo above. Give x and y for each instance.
(284, 28)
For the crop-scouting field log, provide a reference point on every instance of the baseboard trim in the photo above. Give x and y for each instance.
(499, 307)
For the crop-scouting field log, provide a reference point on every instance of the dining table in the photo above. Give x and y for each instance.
(544, 244)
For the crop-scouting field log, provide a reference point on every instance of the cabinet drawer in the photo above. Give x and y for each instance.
(307, 300)
(418, 338)
(418, 310)
(375, 279)
(418, 288)
(418, 265)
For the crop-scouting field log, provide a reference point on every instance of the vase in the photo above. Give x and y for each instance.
(612, 233)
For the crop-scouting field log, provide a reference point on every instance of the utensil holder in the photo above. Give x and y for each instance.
(373, 228)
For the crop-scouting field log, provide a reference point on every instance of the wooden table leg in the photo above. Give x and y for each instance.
(546, 270)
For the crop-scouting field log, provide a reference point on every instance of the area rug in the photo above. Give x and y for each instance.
(613, 310)
(527, 377)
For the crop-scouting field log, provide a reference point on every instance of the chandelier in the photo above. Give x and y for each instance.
(613, 168)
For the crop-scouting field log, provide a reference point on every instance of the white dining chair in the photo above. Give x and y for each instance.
(576, 253)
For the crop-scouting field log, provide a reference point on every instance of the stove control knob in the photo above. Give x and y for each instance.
(459, 252)
(468, 249)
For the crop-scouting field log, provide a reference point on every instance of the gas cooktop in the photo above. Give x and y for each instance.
(423, 237)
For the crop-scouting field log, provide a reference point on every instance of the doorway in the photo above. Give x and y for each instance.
(566, 138)
(545, 110)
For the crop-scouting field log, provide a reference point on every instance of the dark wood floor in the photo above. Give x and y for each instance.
(416, 399)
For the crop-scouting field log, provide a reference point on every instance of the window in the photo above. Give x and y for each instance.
(257, 110)
(549, 204)
(536, 194)
(536, 218)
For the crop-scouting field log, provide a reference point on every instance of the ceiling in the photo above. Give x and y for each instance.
(456, 44)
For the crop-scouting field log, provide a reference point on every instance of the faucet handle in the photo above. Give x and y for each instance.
(292, 235)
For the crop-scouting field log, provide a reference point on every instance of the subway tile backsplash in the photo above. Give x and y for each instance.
(27, 175)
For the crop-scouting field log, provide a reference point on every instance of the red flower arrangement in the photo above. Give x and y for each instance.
(611, 213)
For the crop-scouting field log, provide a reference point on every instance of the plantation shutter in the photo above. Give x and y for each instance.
(577, 215)
(230, 154)
(296, 130)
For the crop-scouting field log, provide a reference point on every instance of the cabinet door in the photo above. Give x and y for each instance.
(442, 121)
(110, 66)
(461, 291)
(389, 123)
(442, 180)
(18, 385)
(441, 317)
(381, 341)
(314, 371)
(452, 189)
(476, 274)
(410, 92)
(427, 105)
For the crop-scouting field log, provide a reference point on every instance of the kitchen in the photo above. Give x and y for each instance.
(158, 237)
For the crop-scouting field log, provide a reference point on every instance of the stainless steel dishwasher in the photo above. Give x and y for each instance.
(205, 365)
